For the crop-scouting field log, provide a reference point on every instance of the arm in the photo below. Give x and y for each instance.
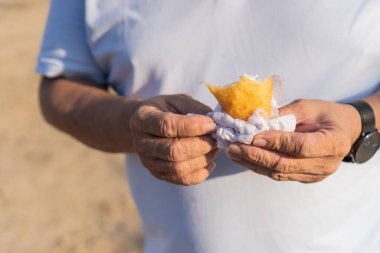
(90, 114)
(324, 135)
(173, 146)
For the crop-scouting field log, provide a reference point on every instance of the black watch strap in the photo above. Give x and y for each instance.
(367, 115)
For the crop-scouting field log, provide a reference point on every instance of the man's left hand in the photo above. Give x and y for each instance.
(323, 137)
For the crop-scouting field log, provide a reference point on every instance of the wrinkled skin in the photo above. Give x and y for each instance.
(173, 146)
(323, 137)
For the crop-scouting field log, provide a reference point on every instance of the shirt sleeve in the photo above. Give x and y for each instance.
(65, 51)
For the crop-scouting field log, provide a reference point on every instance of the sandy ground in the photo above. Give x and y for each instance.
(56, 195)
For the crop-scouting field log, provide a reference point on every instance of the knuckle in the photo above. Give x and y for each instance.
(167, 125)
(138, 121)
(179, 168)
(280, 165)
(176, 151)
(304, 148)
(276, 176)
(140, 113)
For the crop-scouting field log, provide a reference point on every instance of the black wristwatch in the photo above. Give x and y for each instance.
(369, 141)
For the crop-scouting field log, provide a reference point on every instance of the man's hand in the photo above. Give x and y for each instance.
(324, 135)
(173, 146)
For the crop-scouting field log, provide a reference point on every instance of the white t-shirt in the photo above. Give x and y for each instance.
(323, 49)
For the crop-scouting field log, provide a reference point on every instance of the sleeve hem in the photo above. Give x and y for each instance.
(51, 68)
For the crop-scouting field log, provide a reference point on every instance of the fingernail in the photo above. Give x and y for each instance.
(233, 148)
(209, 127)
(260, 143)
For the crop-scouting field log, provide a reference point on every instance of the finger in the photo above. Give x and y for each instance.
(321, 143)
(185, 104)
(282, 163)
(301, 108)
(179, 168)
(193, 178)
(167, 124)
(251, 166)
(174, 149)
(278, 176)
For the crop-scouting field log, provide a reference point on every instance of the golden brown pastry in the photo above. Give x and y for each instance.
(243, 97)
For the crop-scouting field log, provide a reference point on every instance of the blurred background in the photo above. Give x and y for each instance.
(56, 195)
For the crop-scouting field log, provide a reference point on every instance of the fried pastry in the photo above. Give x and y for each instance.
(240, 99)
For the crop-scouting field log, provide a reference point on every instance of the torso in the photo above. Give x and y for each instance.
(324, 50)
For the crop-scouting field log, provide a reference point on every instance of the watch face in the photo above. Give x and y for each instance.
(367, 147)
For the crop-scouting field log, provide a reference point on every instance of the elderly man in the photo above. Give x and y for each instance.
(151, 52)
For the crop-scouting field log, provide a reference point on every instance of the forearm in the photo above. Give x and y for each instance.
(374, 101)
(91, 115)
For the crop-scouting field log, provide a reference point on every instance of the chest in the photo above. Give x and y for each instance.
(188, 41)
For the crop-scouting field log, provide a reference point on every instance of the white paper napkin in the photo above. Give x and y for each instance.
(237, 130)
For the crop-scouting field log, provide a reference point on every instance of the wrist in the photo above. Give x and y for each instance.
(130, 106)
(355, 125)
(369, 140)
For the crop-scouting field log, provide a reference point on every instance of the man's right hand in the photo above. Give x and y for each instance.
(173, 146)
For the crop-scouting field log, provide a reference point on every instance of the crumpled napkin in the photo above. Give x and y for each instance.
(237, 130)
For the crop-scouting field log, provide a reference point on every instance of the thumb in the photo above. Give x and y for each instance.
(297, 108)
(286, 109)
(306, 113)
(185, 104)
